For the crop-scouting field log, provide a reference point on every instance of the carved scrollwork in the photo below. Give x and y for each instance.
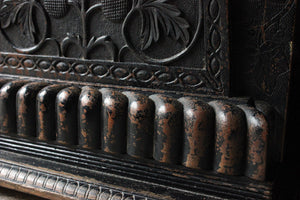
(158, 18)
(20, 13)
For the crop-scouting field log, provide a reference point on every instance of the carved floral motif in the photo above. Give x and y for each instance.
(156, 14)
(159, 18)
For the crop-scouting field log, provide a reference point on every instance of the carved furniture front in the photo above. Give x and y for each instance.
(145, 99)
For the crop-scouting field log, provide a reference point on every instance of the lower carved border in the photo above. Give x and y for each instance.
(67, 187)
(116, 174)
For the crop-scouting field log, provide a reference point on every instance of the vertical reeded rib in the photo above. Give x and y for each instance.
(198, 147)
(231, 135)
(67, 110)
(8, 106)
(167, 129)
(114, 119)
(89, 118)
(46, 123)
(26, 108)
(258, 132)
(140, 126)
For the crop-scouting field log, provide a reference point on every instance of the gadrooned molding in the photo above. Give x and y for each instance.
(224, 136)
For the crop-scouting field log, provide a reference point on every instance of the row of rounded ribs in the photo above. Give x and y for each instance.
(227, 138)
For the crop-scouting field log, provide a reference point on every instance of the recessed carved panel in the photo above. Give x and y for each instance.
(166, 44)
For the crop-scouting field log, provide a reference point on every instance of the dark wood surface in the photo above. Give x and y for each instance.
(160, 99)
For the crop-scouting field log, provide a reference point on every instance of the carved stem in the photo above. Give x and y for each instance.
(82, 13)
(83, 19)
(93, 8)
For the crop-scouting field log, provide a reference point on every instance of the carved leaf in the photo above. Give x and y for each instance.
(157, 16)
(103, 41)
(18, 12)
(72, 39)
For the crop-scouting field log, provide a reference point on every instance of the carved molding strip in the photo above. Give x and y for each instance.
(123, 172)
(60, 185)
(228, 137)
(102, 72)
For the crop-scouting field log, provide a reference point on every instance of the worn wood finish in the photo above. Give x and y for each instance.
(161, 99)
(140, 125)
(89, 118)
(114, 114)
(199, 134)
(46, 123)
(184, 131)
(258, 133)
(26, 109)
(231, 134)
(8, 106)
(66, 115)
(167, 129)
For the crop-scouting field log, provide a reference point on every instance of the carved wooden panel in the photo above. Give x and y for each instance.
(135, 99)
(173, 45)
